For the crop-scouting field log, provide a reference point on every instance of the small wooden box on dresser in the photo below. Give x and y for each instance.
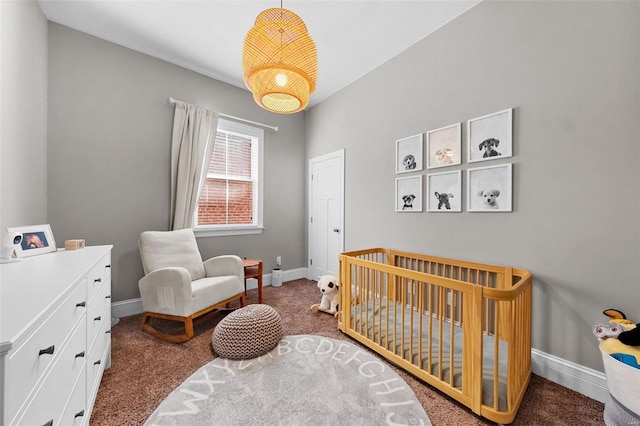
(55, 336)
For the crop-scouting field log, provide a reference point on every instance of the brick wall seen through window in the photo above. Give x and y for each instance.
(227, 196)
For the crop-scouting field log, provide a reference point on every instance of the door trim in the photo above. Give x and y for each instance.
(340, 154)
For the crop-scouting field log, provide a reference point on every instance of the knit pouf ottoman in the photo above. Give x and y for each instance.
(247, 332)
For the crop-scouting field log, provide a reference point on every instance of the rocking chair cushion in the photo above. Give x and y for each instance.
(161, 249)
(247, 332)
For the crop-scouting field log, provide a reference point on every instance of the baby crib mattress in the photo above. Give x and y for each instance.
(375, 316)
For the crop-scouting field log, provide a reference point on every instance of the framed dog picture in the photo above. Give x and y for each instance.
(444, 192)
(409, 194)
(36, 239)
(444, 146)
(409, 154)
(490, 137)
(489, 189)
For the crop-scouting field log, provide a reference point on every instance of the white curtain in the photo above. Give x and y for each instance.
(194, 131)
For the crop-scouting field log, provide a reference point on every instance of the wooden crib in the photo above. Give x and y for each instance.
(462, 327)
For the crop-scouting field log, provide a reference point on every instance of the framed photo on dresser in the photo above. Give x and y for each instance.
(36, 239)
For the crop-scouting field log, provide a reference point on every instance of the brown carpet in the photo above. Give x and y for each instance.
(145, 370)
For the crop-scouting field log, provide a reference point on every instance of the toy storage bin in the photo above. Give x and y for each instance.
(623, 381)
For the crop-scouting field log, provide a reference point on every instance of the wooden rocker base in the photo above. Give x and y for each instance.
(186, 332)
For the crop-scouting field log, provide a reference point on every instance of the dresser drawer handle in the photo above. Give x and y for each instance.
(108, 297)
(97, 362)
(48, 351)
(107, 266)
(81, 304)
(79, 414)
(97, 280)
(80, 355)
(49, 423)
(107, 332)
(97, 318)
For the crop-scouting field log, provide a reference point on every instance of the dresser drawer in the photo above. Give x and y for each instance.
(27, 363)
(54, 392)
(97, 355)
(98, 275)
(75, 412)
(98, 313)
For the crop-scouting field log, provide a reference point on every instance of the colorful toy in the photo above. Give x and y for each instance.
(620, 338)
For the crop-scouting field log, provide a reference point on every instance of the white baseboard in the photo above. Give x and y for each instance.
(130, 307)
(289, 275)
(581, 379)
(294, 274)
(126, 308)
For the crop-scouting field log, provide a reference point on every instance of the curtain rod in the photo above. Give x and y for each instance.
(231, 117)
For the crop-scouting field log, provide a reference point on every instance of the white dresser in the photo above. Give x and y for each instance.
(55, 336)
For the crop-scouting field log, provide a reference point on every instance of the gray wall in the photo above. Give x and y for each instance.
(571, 72)
(109, 154)
(23, 115)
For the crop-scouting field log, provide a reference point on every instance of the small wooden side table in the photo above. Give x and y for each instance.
(253, 269)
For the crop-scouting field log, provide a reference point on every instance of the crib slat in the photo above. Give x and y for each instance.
(421, 313)
(452, 350)
(361, 281)
(475, 363)
(378, 299)
(403, 304)
(430, 328)
(467, 345)
(411, 310)
(392, 324)
(440, 330)
(496, 359)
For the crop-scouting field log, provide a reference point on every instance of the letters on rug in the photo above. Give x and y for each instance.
(311, 380)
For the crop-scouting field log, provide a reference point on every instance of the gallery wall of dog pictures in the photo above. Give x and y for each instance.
(409, 154)
(444, 192)
(409, 194)
(444, 146)
(490, 137)
(489, 189)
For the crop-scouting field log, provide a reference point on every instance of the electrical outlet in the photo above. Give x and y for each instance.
(449, 298)
(278, 260)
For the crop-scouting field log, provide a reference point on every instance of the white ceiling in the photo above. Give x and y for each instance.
(206, 36)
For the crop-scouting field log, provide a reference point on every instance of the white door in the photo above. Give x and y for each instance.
(326, 213)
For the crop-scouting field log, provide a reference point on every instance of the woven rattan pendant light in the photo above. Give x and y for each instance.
(280, 61)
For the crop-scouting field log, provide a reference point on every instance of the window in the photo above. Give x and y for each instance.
(231, 199)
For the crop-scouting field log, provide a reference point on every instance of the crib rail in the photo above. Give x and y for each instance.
(473, 314)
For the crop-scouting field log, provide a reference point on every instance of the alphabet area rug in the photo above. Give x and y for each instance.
(305, 380)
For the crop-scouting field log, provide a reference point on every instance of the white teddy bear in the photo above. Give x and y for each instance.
(330, 288)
